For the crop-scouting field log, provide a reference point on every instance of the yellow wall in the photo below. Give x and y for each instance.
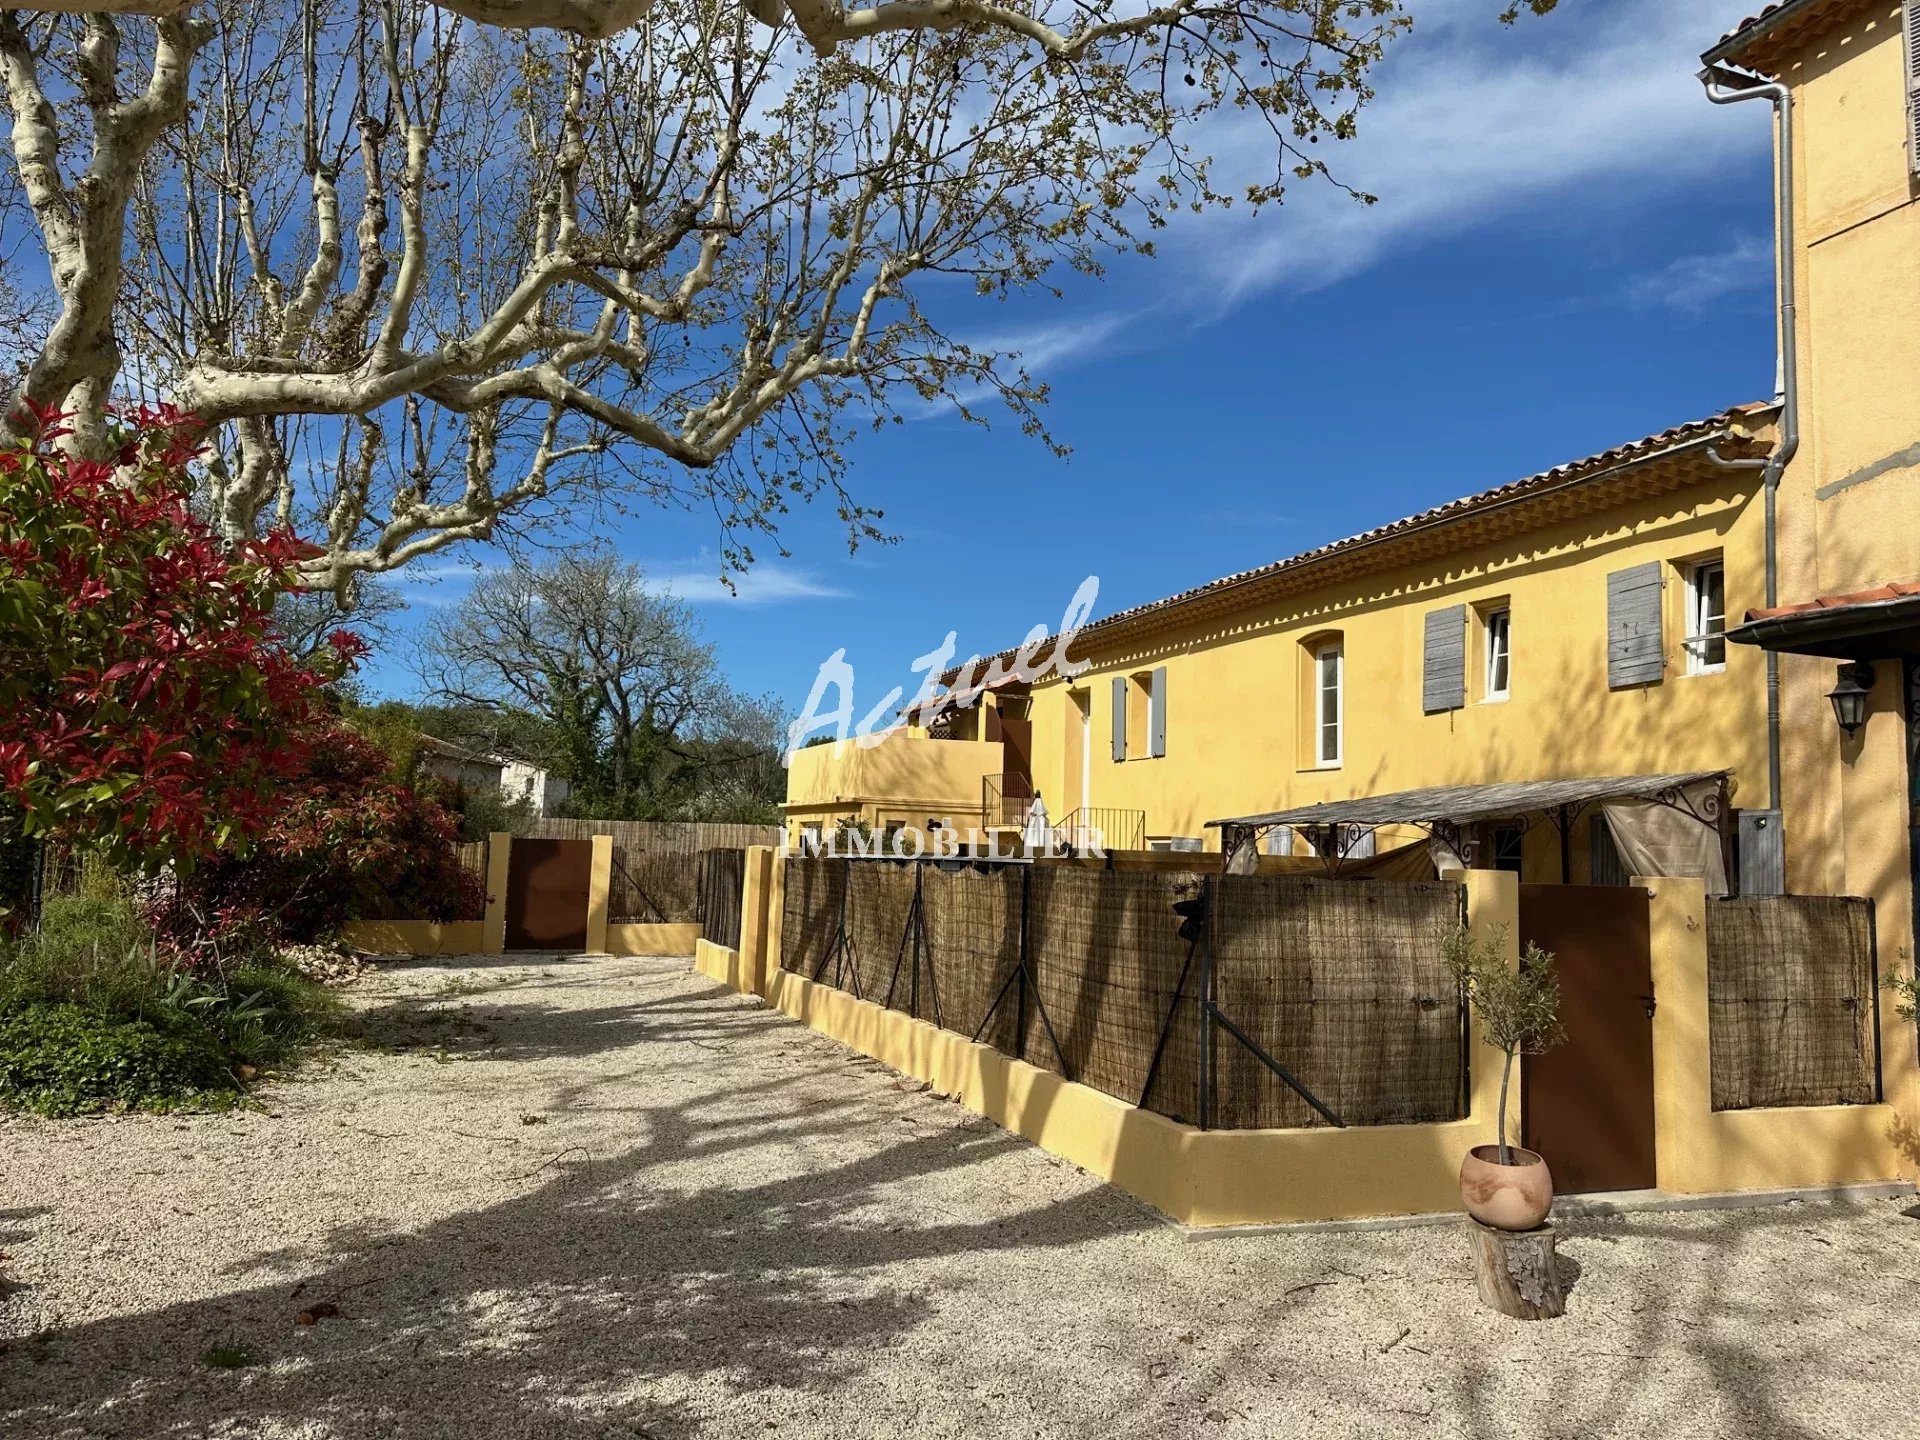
(1699, 1150)
(1236, 730)
(669, 938)
(1213, 1178)
(905, 779)
(1850, 502)
(414, 937)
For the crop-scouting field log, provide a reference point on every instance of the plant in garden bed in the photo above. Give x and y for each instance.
(345, 842)
(96, 1014)
(1519, 1013)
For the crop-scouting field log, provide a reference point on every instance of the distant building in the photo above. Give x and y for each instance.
(474, 770)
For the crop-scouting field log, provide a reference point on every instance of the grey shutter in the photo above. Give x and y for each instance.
(1360, 843)
(1636, 651)
(1280, 840)
(1119, 717)
(1911, 22)
(1445, 684)
(1763, 859)
(1157, 713)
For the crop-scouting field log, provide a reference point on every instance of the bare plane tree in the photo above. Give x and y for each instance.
(583, 642)
(420, 268)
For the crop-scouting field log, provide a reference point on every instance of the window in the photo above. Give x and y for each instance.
(1498, 626)
(1509, 847)
(1280, 840)
(1706, 617)
(1329, 665)
(1185, 844)
(1140, 715)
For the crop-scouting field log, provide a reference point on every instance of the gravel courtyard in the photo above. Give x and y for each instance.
(595, 1197)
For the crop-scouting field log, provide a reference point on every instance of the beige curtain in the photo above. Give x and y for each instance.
(1654, 839)
(1243, 851)
(1404, 862)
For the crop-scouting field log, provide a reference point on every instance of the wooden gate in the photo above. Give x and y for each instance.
(547, 884)
(1587, 1105)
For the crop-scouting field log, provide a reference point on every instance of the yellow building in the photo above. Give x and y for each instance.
(1569, 624)
(1563, 625)
(1844, 71)
(1719, 622)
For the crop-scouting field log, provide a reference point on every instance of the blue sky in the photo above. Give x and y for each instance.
(1571, 250)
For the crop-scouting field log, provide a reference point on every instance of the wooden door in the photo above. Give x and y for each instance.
(547, 883)
(1587, 1105)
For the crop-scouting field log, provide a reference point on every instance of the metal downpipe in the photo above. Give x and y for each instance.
(1729, 87)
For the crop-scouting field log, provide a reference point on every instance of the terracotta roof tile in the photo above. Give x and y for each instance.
(1761, 22)
(1593, 466)
(1898, 590)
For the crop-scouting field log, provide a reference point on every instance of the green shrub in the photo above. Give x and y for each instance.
(63, 1060)
(93, 1015)
(87, 952)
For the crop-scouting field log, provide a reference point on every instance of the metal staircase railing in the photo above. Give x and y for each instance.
(1005, 799)
(1102, 827)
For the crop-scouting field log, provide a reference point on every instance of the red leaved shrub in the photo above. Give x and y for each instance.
(345, 842)
(149, 707)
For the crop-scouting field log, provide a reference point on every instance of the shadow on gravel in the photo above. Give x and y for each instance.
(470, 1023)
(584, 1307)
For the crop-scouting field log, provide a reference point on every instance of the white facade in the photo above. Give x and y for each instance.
(476, 770)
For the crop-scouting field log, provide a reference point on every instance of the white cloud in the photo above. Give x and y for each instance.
(1694, 282)
(762, 585)
(1591, 110)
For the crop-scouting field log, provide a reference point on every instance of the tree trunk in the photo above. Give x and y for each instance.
(1506, 1074)
(1517, 1272)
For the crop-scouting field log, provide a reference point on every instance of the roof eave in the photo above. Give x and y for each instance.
(1876, 629)
(1764, 27)
(1738, 425)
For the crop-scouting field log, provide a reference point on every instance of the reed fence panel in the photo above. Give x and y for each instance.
(1791, 990)
(1085, 972)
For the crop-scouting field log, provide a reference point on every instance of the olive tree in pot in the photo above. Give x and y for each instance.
(1503, 1185)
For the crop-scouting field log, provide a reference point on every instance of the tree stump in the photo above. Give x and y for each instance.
(1517, 1271)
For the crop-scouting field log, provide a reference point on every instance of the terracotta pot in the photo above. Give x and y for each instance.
(1507, 1197)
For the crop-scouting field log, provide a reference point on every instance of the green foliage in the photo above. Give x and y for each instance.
(94, 1015)
(1518, 1009)
(481, 812)
(395, 729)
(1905, 990)
(64, 1060)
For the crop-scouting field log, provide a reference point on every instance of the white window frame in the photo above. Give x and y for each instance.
(1322, 759)
(1699, 618)
(1503, 615)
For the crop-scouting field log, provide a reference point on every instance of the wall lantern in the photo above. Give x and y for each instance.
(1850, 694)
